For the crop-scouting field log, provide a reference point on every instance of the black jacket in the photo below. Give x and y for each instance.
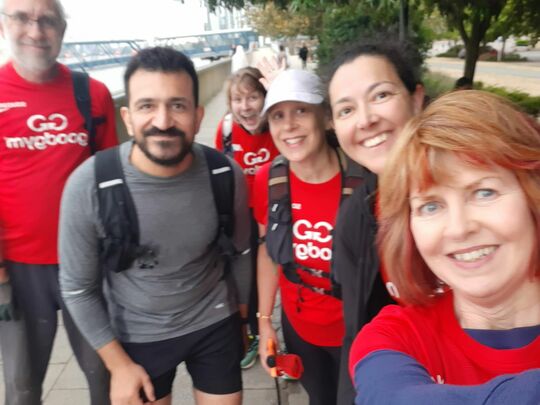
(355, 268)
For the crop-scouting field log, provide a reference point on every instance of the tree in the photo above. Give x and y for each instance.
(403, 6)
(275, 22)
(347, 23)
(518, 17)
(471, 18)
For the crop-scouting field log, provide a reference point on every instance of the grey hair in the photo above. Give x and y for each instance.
(57, 4)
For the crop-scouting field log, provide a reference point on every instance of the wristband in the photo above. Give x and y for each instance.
(260, 316)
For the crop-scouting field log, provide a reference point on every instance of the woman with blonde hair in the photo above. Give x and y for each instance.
(243, 135)
(459, 236)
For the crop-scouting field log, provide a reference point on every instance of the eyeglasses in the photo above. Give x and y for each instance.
(23, 20)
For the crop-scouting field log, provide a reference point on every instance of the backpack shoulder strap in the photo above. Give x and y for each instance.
(116, 211)
(278, 180)
(352, 174)
(223, 187)
(279, 240)
(226, 134)
(81, 89)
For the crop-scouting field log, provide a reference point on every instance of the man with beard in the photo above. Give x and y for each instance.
(176, 302)
(43, 138)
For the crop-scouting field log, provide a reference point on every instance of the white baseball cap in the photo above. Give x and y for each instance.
(294, 85)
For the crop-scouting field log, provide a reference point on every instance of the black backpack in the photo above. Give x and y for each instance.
(121, 245)
(81, 88)
(279, 235)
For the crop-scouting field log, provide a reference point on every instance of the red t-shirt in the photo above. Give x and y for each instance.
(317, 318)
(433, 336)
(42, 140)
(250, 151)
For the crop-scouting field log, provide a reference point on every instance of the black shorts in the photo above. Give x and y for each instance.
(212, 357)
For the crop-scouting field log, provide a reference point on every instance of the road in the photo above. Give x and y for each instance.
(523, 76)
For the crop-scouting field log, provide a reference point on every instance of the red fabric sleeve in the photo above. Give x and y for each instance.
(387, 331)
(218, 141)
(260, 194)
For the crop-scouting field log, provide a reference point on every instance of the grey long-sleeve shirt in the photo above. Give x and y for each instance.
(185, 291)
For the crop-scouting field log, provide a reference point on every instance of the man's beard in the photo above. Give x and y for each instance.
(185, 145)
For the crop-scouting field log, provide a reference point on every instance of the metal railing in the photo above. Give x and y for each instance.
(99, 54)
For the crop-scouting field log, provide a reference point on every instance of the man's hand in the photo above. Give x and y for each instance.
(127, 377)
(7, 309)
(126, 384)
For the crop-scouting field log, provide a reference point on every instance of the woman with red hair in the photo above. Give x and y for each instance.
(459, 235)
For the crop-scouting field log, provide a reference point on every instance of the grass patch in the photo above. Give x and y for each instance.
(439, 83)
(529, 104)
(436, 84)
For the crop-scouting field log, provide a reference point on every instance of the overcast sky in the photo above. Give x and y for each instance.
(123, 19)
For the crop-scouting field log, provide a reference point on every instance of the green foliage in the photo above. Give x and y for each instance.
(453, 52)
(529, 104)
(272, 21)
(437, 84)
(471, 18)
(437, 25)
(522, 42)
(343, 25)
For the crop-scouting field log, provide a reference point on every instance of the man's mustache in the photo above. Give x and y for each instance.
(172, 131)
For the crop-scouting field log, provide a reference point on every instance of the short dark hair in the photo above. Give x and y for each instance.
(463, 83)
(402, 55)
(162, 59)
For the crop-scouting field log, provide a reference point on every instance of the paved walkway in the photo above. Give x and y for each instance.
(66, 385)
(523, 76)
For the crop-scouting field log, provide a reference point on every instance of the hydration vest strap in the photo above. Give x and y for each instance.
(279, 233)
(81, 89)
(279, 241)
(223, 185)
(351, 175)
(290, 271)
(226, 134)
(117, 212)
(313, 272)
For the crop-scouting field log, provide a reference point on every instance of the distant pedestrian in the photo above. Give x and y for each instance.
(303, 54)
(283, 58)
(239, 59)
(463, 83)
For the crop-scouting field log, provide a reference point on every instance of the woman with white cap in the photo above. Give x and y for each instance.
(296, 199)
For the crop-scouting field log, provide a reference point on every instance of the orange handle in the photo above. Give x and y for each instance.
(271, 359)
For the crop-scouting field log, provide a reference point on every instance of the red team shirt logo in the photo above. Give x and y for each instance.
(314, 240)
(255, 159)
(50, 129)
(55, 122)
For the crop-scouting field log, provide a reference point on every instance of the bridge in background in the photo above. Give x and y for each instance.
(211, 46)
